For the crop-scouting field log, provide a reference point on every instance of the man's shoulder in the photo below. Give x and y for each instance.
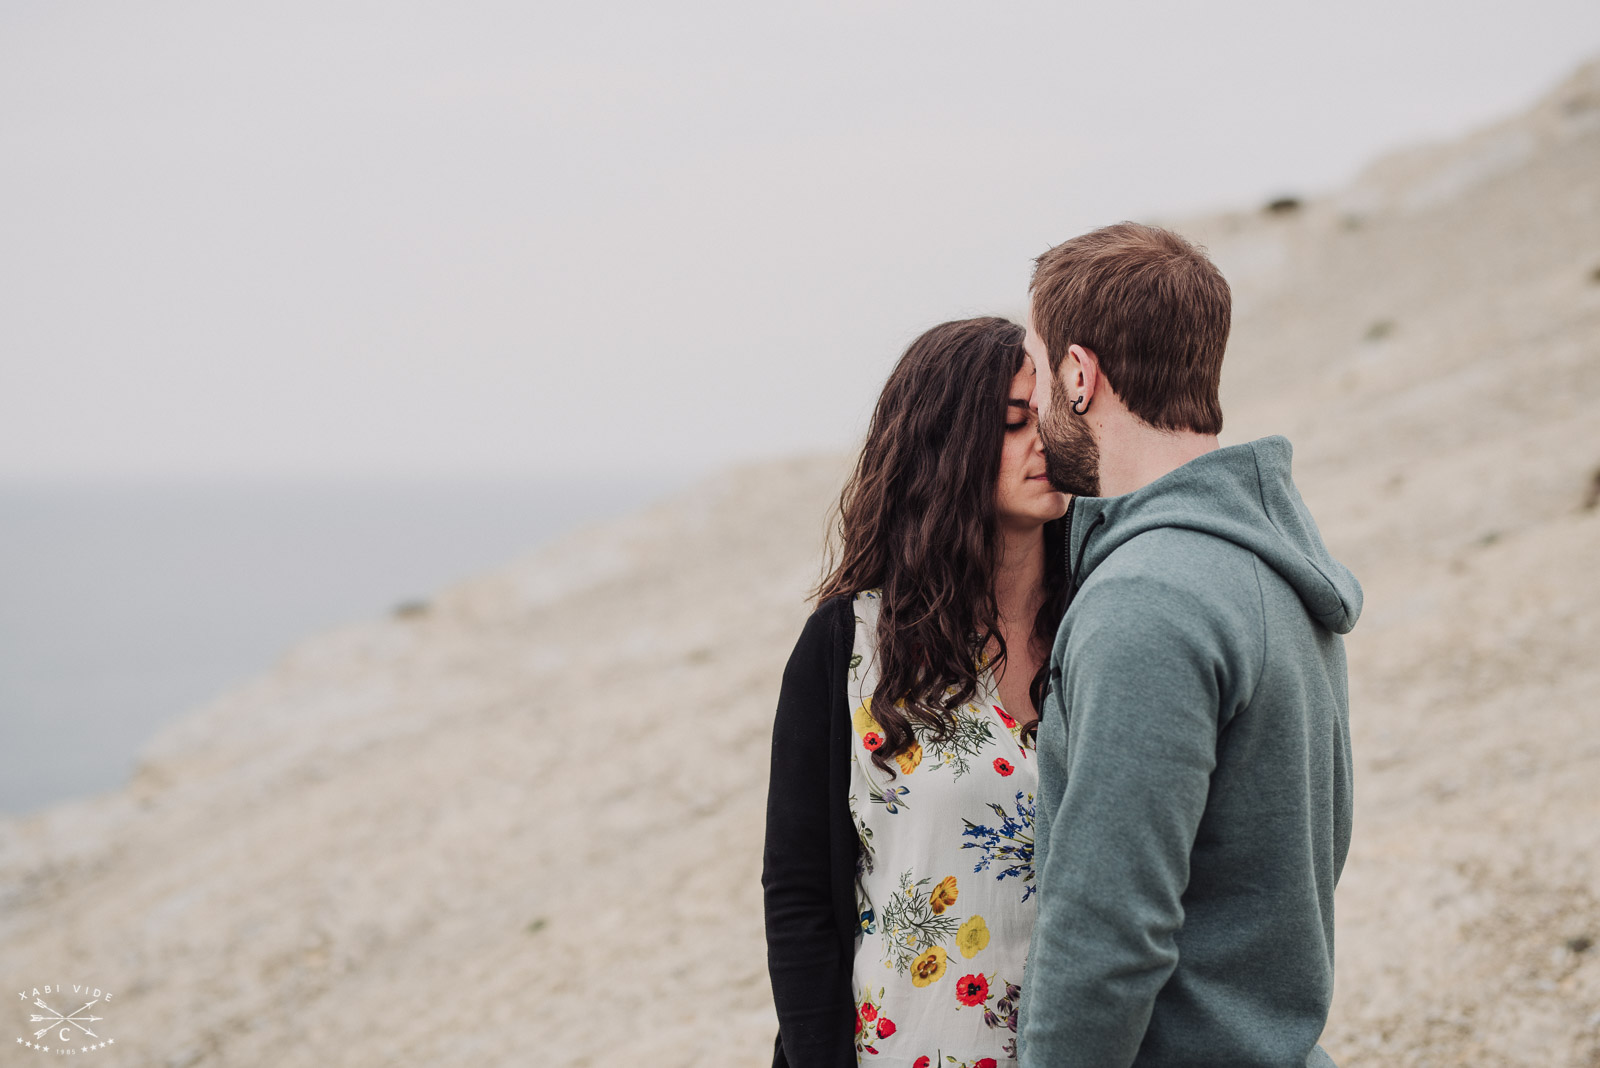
(1169, 589)
(1166, 598)
(1175, 564)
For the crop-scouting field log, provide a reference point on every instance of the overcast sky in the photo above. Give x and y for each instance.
(474, 238)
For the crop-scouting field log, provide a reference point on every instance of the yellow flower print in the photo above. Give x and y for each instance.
(863, 721)
(944, 895)
(909, 760)
(973, 937)
(929, 968)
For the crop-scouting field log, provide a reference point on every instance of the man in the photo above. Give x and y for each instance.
(1194, 751)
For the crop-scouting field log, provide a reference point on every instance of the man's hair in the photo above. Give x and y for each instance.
(1152, 307)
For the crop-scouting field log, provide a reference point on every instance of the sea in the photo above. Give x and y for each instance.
(123, 605)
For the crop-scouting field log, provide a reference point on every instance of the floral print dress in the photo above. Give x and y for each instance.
(944, 883)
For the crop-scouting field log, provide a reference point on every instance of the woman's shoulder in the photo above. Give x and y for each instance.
(831, 626)
(824, 630)
(835, 608)
(844, 608)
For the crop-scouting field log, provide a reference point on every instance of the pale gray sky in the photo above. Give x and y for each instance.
(320, 238)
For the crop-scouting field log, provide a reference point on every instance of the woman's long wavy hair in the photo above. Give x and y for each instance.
(917, 520)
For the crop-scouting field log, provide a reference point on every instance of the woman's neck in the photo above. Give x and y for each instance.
(1019, 578)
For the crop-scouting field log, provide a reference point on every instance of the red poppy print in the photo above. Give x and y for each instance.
(987, 1062)
(872, 740)
(1005, 717)
(921, 1062)
(885, 1027)
(869, 1012)
(1003, 766)
(972, 990)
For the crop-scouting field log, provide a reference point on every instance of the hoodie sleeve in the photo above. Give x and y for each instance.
(1139, 680)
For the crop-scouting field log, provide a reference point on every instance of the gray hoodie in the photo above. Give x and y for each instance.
(1194, 777)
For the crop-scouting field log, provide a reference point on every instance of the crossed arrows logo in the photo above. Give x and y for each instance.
(56, 1019)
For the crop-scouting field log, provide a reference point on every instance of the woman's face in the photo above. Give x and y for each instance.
(1023, 496)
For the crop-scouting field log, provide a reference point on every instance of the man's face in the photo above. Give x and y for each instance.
(1071, 454)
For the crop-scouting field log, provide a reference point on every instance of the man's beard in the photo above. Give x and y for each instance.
(1071, 455)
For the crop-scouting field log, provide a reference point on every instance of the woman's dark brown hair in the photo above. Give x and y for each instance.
(917, 520)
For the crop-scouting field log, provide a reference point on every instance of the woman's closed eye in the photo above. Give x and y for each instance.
(1020, 416)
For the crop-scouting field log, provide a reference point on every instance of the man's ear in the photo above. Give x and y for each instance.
(1081, 373)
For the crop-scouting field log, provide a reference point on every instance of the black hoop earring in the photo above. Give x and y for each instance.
(1083, 400)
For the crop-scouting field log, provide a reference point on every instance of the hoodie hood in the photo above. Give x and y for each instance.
(1241, 493)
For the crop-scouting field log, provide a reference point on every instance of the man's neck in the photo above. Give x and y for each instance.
(1133, 454)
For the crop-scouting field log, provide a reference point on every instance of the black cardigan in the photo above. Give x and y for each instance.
(809, 863)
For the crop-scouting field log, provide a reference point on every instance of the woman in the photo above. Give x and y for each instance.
(898, 862)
